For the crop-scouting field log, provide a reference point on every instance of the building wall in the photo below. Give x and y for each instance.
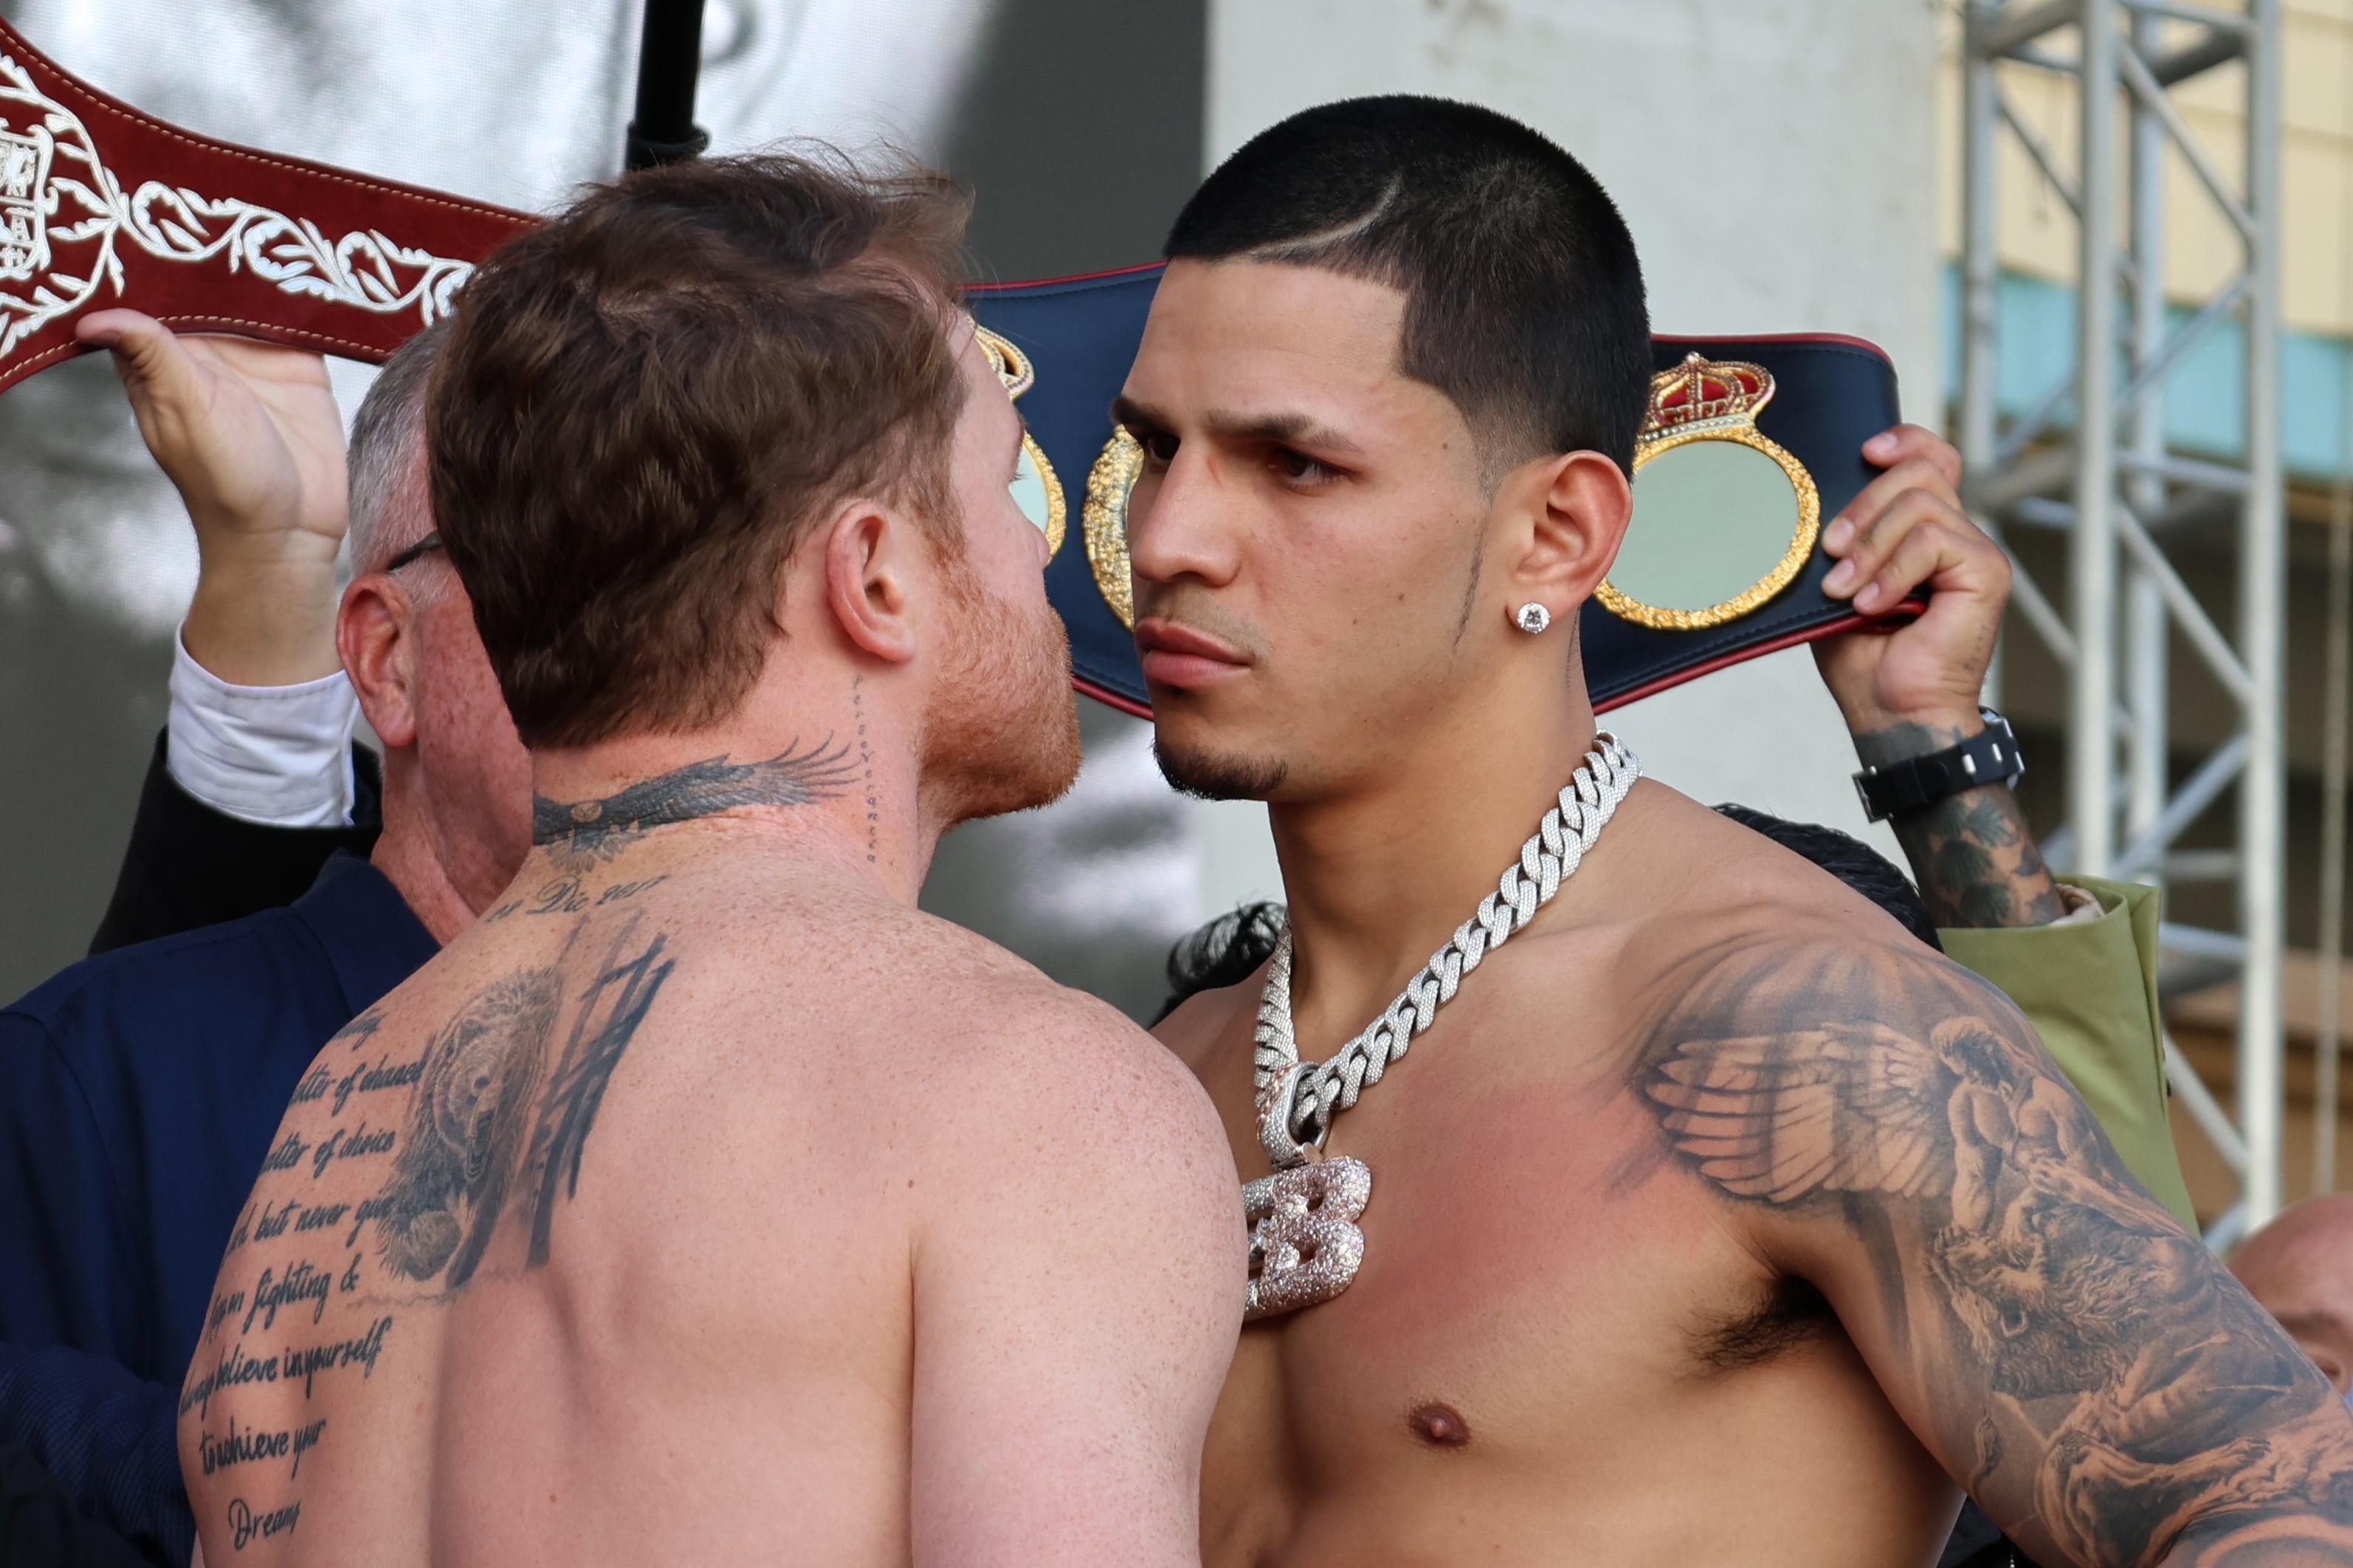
(2038, 233)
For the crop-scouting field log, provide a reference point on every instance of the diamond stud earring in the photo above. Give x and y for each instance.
(1531, 618)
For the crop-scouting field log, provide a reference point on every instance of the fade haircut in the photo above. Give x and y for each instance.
(646, 404)
(386, 479)
(1524, 297)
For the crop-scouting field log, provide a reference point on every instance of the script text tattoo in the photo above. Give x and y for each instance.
(499, 1107)
(866, 769)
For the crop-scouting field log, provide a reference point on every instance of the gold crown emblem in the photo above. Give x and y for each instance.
(1705, 394)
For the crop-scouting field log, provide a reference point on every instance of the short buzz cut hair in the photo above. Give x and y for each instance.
(1524, 296)
(649, 402)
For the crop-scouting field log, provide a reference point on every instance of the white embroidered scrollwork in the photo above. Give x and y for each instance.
(64, 218)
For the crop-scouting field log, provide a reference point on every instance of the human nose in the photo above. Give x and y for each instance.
(1179, 524)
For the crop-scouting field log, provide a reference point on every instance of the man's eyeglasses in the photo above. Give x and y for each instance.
(424, 546)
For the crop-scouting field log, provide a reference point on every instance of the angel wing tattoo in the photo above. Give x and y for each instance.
(579, 834)
(1867, 1108)
(2139, 1386)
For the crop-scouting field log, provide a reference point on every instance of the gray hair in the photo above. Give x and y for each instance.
(391, 506)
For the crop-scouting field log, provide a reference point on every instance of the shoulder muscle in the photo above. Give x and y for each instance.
(2083, 1364)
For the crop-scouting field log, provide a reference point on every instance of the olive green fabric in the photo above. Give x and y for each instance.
(2090, 989)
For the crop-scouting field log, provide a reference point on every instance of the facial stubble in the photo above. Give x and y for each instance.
(1207, 776)
(1002, 733)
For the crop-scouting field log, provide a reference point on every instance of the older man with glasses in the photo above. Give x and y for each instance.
(129, 1093)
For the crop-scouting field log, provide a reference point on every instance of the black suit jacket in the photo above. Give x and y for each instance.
(189, 866)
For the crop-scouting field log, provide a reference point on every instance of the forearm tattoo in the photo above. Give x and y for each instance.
(1975, 861)
(2091, 1373)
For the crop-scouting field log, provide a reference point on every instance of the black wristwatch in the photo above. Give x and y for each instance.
(1990, 756)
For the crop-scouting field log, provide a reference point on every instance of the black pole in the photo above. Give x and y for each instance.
(669, 55)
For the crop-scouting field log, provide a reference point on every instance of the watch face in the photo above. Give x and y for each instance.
(1724, 518)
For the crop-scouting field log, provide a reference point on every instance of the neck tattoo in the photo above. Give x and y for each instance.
(1305, 1244)
(579, 834)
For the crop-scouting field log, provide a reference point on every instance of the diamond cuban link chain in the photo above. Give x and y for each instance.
(1304, 1248)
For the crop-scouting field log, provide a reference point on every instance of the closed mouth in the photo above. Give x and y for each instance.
(1180, 657)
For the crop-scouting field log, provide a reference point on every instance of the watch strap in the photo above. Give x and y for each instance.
(1990, 756)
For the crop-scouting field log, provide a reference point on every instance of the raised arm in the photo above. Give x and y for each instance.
(1893, 1131)
(255, 786)
(1078, 1295)
(250, 436)
(1908, 688)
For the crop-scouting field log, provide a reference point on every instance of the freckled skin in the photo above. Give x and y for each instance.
(714, 1360)
(701, 1119)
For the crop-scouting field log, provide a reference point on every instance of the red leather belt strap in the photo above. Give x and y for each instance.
(101, 206)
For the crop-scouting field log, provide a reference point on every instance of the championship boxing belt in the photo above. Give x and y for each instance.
(1749, 445)
(101, 206)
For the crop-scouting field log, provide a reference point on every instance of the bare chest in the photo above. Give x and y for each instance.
(1538, 1318)
(1525, 1227)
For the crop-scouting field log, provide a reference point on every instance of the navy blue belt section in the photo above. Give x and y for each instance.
(1751, 445)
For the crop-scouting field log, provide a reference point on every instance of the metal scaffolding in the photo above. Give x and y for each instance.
(2090, 456)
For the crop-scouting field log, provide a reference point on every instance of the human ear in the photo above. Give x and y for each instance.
(371, 635)
(865, 586)
(1575, 507)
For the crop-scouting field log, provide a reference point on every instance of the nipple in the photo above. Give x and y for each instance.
(1438, 1425)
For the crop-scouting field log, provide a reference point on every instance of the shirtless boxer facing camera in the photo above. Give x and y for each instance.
(1713, 1220)
(705, 1201)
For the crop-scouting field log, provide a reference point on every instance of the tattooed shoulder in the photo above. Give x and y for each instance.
(2088, 1369)
(401, 1176)
(1793, 1070)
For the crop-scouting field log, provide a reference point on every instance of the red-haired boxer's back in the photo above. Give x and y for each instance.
(705, 1201)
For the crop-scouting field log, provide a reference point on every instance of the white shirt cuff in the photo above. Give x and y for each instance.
(278, 755)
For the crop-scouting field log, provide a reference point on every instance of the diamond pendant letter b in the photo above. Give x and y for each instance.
(1305, 1248)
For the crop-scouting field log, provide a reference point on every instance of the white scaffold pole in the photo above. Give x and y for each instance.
(2092, 556)
(2263, 590)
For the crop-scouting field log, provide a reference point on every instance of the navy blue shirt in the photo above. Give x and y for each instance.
(139, 1093)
